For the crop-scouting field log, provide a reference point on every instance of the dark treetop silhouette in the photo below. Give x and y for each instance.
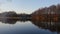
(51, 13)
(45, 18)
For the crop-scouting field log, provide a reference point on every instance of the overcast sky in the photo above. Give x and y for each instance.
(25, 6)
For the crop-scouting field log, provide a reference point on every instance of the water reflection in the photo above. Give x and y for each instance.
(51, 26)
(11, 21)
(8, 21)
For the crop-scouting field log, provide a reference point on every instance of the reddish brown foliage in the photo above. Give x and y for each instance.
(47, 14)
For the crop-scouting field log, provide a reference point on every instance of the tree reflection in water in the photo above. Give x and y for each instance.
(9, 21)
(52, 26)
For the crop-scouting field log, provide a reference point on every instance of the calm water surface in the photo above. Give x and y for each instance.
(24, 28)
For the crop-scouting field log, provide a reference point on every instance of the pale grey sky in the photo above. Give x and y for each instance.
(25, 6)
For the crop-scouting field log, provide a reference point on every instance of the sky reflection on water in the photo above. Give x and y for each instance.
(28, 27)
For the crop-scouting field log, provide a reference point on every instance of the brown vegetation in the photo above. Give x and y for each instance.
(51, 13)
